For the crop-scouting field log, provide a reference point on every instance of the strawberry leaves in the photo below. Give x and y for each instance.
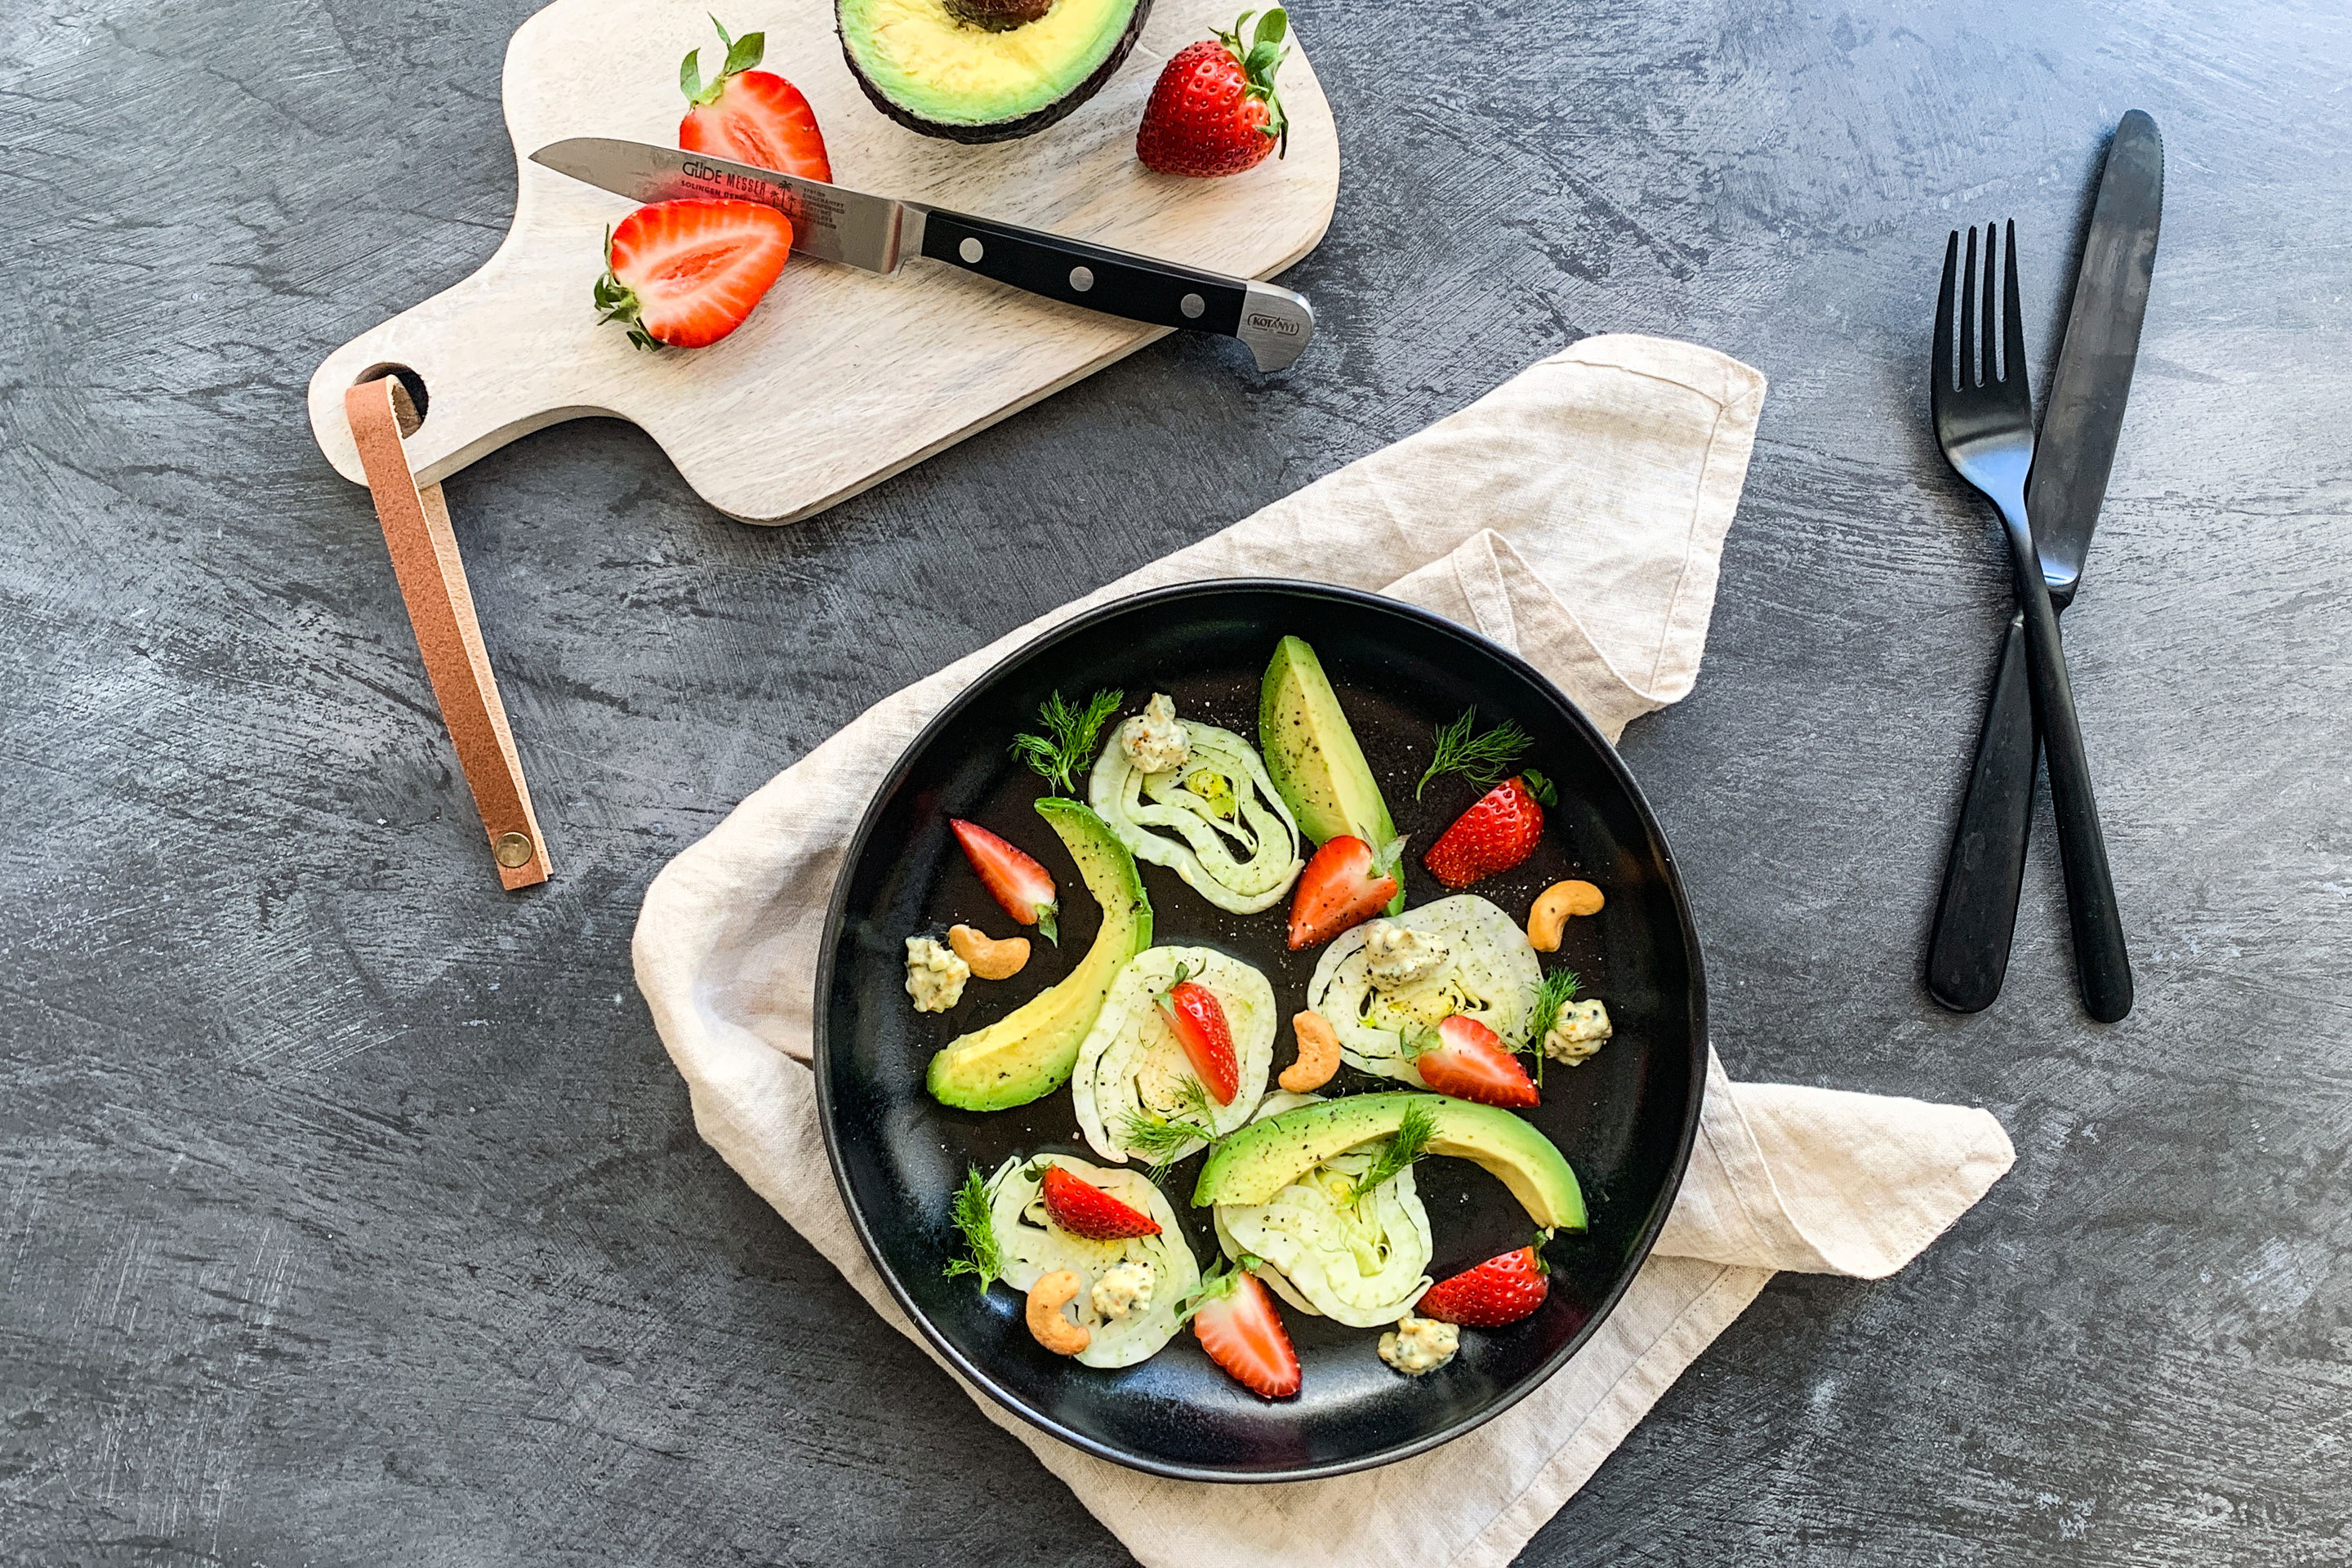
(742, 54)
(1261, 58)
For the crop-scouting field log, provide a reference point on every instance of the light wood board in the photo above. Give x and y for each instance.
(840, 378)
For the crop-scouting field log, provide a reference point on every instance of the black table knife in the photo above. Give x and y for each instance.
(1968, 955)
(833, 223)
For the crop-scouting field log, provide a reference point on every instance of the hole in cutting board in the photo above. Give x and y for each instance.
(412, 416)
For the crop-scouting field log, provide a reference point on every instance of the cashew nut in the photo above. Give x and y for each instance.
(1046, 1299)
(1553, 907)
(1319, 1055)
(988, 960)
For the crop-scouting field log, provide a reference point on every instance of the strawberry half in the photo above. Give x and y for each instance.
(1012, 877)
(685, 274)
(1213, 110)
(1080, 1207)
(1495, 834)
(1464, 1058)
(1500, 1291)
(1345, 885)
(751, 115)
(1238, 1325)
(1197, 1021)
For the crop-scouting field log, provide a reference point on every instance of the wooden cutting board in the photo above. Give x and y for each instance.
(840, 378)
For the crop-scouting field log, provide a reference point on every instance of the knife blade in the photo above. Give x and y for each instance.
(877, 234)
(1976, 916)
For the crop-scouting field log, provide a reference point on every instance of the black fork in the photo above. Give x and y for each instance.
(1984, 421)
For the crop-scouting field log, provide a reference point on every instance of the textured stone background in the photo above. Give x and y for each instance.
(350, 1212)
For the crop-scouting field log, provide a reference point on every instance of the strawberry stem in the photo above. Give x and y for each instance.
(1260, 58)
(742, 54)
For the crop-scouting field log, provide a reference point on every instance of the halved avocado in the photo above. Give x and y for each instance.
(1030, 1051)
(985, 70)
(1254, 1163)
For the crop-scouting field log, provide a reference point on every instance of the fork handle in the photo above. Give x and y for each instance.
(2102, 966)
(1968, 952)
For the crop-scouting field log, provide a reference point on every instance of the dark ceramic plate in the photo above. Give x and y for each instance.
(1624, 1120)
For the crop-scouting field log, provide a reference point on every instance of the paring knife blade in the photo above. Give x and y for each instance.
(834, 223)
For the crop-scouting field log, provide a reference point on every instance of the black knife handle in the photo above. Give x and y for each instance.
(1275, 323)
(1968, 952)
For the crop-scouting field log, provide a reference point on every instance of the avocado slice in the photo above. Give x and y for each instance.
(1030, 1050)
(985, 70)
(1313, 757)
(1254, 1163)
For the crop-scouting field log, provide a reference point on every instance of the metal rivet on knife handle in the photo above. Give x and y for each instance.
(513, 849)
(1082, 279)
(1192, 305)
(971, 250)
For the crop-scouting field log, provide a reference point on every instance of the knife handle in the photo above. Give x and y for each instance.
(1968, 952)
(1274, 323)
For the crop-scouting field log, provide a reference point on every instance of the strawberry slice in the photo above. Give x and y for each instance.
(751, 115)
(685, 274)
(1011, 876)
(1080, 1207)
(1503, 1289)
(1238, 1325)
(1495, 834)
(1198, 1020)
(1464, 1058)
(1345, 885)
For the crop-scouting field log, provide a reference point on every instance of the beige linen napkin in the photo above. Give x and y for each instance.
(1575, 515)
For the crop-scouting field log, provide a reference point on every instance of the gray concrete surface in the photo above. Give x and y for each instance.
(350, 1212)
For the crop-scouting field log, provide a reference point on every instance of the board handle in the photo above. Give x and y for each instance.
(432, 577)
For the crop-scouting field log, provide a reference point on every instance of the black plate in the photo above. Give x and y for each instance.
(1624, 1120)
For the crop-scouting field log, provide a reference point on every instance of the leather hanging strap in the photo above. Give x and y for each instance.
(441, 608)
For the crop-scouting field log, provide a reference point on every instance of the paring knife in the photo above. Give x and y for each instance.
(833, 223)
(1968, 955)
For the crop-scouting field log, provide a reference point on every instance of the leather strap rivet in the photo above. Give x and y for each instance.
(513, 849)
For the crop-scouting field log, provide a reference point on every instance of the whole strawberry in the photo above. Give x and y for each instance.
(1495, 834)
(1213, 111)
(1500, 1291)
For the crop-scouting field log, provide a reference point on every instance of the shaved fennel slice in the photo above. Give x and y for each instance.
(1490, 975)
(1236, 845)
(1032, 1247)
(1130, 1064)
(1361, 1264)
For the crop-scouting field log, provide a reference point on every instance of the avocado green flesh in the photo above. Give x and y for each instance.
(1030, 1051)
(1254, 1163)
(935, 72)
(1313, 757)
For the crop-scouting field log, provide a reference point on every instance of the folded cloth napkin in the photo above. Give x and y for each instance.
(1574, 515)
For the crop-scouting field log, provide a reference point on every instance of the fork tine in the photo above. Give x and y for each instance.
(1992, 320)
(2013, 326)
(1969, 317)
(1943, 353)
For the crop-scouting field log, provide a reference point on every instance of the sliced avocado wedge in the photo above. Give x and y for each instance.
(1313, 757)
(985, 70)
(1254, 1163)
(1030, 1051)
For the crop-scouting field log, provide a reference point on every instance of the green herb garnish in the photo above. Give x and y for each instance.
(1484, 759)
(972, 1215)
(1068, 743)
(1408, 1144)
(1162, 1140)
(1556, 991)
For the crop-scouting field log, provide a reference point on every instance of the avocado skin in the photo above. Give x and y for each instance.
(1001, 130)
(1042, 1035)
(1261, 1159)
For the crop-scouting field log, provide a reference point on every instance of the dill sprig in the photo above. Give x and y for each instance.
(1555, 991)
(971, 1216)
(1408, 1144)
(1069, 741)
(1162, 1140)
(1484, 759)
